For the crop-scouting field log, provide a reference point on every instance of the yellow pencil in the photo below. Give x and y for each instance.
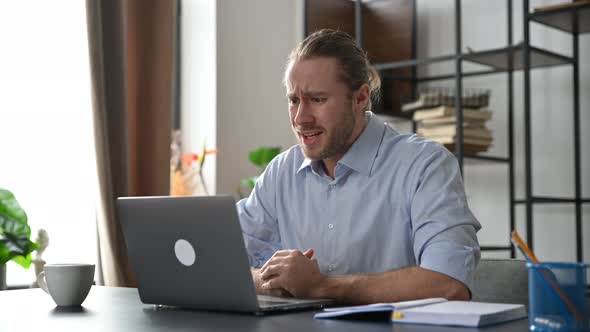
(524, 247)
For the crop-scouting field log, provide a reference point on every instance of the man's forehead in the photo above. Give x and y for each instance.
(310, 75)
(315, 65)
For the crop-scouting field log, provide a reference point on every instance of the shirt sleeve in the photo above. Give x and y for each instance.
(443, 227)
(257, 214)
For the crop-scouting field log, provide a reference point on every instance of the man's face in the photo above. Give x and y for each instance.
(324, 116)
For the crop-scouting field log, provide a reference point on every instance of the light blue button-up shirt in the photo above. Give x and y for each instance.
(396, 200)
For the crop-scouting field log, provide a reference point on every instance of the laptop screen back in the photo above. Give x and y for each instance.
(188, 252)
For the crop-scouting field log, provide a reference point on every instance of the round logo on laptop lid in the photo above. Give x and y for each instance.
(185, 253)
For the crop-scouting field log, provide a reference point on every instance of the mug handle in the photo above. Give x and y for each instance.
(41, 282)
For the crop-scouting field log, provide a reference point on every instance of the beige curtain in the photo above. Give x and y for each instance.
(131, 45)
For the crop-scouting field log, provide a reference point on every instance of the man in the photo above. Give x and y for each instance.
(356, 212)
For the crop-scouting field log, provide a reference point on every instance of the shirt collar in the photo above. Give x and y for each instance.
(361, 155)
(306, 162)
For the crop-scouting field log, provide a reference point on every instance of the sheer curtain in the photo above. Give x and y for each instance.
(132, 51)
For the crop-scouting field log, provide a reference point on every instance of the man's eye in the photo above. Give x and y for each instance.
(318, 100)
(293, 101)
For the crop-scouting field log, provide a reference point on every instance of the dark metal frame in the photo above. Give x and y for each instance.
(577, 130)
(528, 191)
(511, 170)
(528, 52)
(545, 18)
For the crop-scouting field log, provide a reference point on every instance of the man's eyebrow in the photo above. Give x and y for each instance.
(309, 93)
(315, 93)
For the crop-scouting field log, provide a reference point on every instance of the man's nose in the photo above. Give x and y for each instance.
(304, 114)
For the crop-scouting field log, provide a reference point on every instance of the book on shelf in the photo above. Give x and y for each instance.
(434, 311)
(451, 130)
(446, 96)
(446, 111)
(445, 140)
(575, 4)
(450, 120)
(468, 148)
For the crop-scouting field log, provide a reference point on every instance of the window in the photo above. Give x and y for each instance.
(47, 155)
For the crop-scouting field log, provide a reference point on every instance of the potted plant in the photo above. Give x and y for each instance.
(260, 158)
(15, 234)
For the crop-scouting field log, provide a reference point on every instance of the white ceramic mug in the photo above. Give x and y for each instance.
(68, 284)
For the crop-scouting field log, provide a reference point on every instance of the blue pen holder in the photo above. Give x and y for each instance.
(547, 310)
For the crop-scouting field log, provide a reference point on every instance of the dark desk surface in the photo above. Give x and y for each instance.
(119, 309)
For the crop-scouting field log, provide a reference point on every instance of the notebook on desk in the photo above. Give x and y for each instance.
(461, 313)
(189, 252)
(435, 311)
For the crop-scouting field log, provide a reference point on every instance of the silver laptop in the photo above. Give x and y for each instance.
(189, 252)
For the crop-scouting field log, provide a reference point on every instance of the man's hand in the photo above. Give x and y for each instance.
(264, 291)
(292, 271)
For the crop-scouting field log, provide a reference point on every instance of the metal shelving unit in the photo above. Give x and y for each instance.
(505, 60)
(574, 20)
(511, 57)
(566, 19)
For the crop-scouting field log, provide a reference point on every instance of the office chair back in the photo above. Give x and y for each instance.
(502, 281)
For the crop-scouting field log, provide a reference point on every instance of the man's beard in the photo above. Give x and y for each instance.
(337, 140)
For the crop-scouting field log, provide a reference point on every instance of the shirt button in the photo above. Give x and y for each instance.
(332, 186)
(331, 225)
(331, 267)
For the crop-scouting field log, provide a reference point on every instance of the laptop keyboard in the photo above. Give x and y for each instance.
(264, 304)
(269, 301)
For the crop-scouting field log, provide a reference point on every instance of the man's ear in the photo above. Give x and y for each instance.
(361, 98)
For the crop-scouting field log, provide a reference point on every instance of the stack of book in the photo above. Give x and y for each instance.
(440, 124)
(436, 119)
(432, 97)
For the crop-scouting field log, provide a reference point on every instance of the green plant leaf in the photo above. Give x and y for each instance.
(24, 261)
(4, 255)
(270, 154)
(263, 155)
(13, 218)
(249, 182)
(15, 233)
(18, 248)
(255, 157)
(260, 158)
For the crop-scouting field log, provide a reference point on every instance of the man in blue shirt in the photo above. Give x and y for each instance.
(355, 212)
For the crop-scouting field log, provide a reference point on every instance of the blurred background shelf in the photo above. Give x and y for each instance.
(565, 19)
(511, 58)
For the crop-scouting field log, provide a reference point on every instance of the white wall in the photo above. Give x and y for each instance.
(253, 40)
(552, 124)
(198, 85)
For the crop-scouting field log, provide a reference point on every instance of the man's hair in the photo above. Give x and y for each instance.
(354, 63)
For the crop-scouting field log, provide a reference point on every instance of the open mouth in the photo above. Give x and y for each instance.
(311, 137)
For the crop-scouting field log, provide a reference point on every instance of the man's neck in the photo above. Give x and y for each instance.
(329, 164)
